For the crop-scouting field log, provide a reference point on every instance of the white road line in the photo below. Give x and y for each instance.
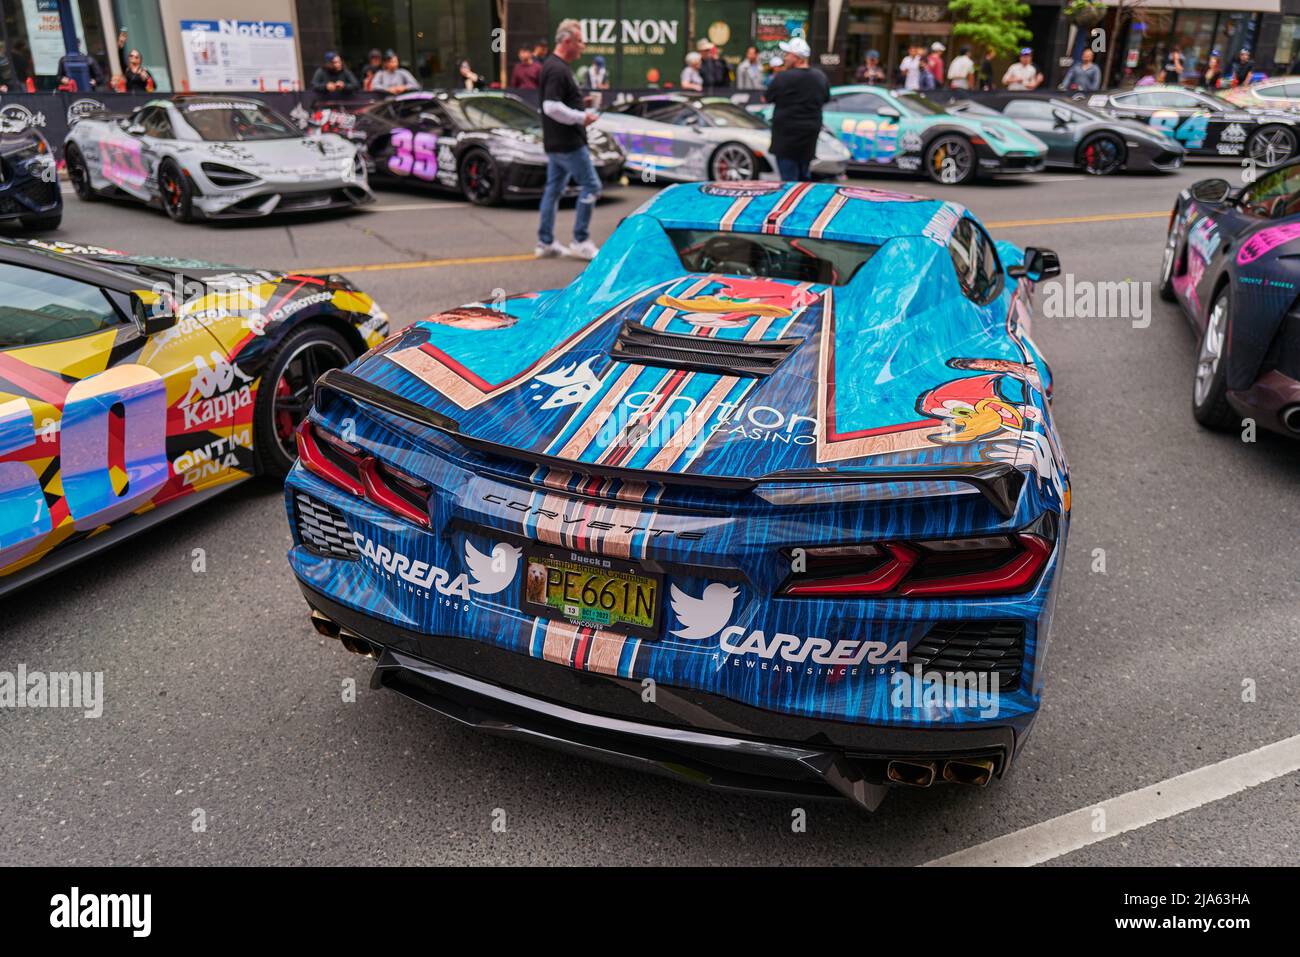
(1177, 795)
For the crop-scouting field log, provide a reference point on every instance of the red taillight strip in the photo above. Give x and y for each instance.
(382, 495)
(372, 486)
(315, 461)
(1015, 575)
(878, 581)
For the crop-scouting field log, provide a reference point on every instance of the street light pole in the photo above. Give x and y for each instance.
(76, 65)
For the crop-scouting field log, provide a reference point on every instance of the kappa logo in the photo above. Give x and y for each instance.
(574, 384)
(1234, 133)
(210, 398)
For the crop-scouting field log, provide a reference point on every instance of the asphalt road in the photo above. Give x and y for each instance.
(220, 697)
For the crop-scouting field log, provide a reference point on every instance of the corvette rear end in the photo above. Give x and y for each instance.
(682, 533)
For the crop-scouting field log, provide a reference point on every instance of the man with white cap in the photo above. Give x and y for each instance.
(797, 94)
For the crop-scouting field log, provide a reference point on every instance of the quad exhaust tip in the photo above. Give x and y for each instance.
(914, 774)
(974, 771)
(1291, 418)
(350, 640)
(324, 625)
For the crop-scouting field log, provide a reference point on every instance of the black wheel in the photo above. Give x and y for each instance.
(79, 174)
(1271, 145)
(1209, 391)
(41, 223)
(1101, 154)
(285, 393)
(950, 159)
(176, 192)
(732, 161)
(1167, 263)
(480, 180)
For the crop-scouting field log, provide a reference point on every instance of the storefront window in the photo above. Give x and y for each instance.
(431, 37)
(1288, 45)
(142, 23)
(1194, 33)
(34, 40)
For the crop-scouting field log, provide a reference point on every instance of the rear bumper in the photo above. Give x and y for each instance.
(1273, 396)
(682, 733)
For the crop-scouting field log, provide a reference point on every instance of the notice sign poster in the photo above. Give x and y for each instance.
(240, 55)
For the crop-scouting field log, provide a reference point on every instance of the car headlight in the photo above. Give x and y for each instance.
(222, 175)
(29, 151)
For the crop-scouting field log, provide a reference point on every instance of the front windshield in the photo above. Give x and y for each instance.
(919, 104)
(728, 114)
(493, 112)
(229, 121)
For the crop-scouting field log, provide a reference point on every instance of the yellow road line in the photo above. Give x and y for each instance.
(525, 257)
(420, 264)
(1067, 220)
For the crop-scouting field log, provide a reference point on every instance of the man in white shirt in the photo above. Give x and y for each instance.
(1023, 75)
(960, 70)
(911, 67)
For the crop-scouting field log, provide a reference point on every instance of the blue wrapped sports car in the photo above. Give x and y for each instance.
(769, 498)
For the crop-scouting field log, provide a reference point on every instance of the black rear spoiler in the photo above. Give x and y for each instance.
(999, 482)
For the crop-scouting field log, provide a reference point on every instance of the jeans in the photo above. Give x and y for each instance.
(560, 168)
(793, 170)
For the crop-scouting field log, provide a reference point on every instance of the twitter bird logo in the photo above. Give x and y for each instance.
(492, 572)
(703, 617)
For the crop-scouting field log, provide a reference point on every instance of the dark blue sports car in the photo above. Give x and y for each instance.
(29, 184)
(768, 498)
(1232, 261)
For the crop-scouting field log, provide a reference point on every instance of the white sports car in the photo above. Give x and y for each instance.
(681, 138)
(214, 157)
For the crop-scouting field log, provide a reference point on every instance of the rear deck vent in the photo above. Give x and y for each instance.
(639, 344)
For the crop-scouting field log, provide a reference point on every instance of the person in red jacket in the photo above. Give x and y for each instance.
(527, 73)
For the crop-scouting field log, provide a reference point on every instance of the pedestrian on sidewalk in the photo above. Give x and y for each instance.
(564, 137)
(797, 95)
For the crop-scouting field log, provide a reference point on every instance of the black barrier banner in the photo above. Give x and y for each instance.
(54, 113)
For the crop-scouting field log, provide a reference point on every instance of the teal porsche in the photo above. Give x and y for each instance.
(907, 133)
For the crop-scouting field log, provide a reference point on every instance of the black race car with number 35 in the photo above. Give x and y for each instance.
(1232, 261)
(132, 388)
(486, 146)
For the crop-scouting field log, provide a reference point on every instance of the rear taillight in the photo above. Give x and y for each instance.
(358, 473)
(957, 568)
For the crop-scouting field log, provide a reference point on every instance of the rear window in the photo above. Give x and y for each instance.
(831, 262)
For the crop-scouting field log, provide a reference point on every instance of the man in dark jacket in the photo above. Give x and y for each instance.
(334, 77)
(714, 69)
(797, 94)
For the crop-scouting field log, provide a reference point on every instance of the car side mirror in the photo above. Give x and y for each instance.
(153, 311)
(888, 112)
(135, 129)
(1062, 118)
(1212, 191)
(1039, 264)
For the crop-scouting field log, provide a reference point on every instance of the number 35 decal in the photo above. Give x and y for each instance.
(414, 154)
(115, 418)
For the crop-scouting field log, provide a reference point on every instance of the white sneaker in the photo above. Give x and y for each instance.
(548, 251)
(584, 250)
